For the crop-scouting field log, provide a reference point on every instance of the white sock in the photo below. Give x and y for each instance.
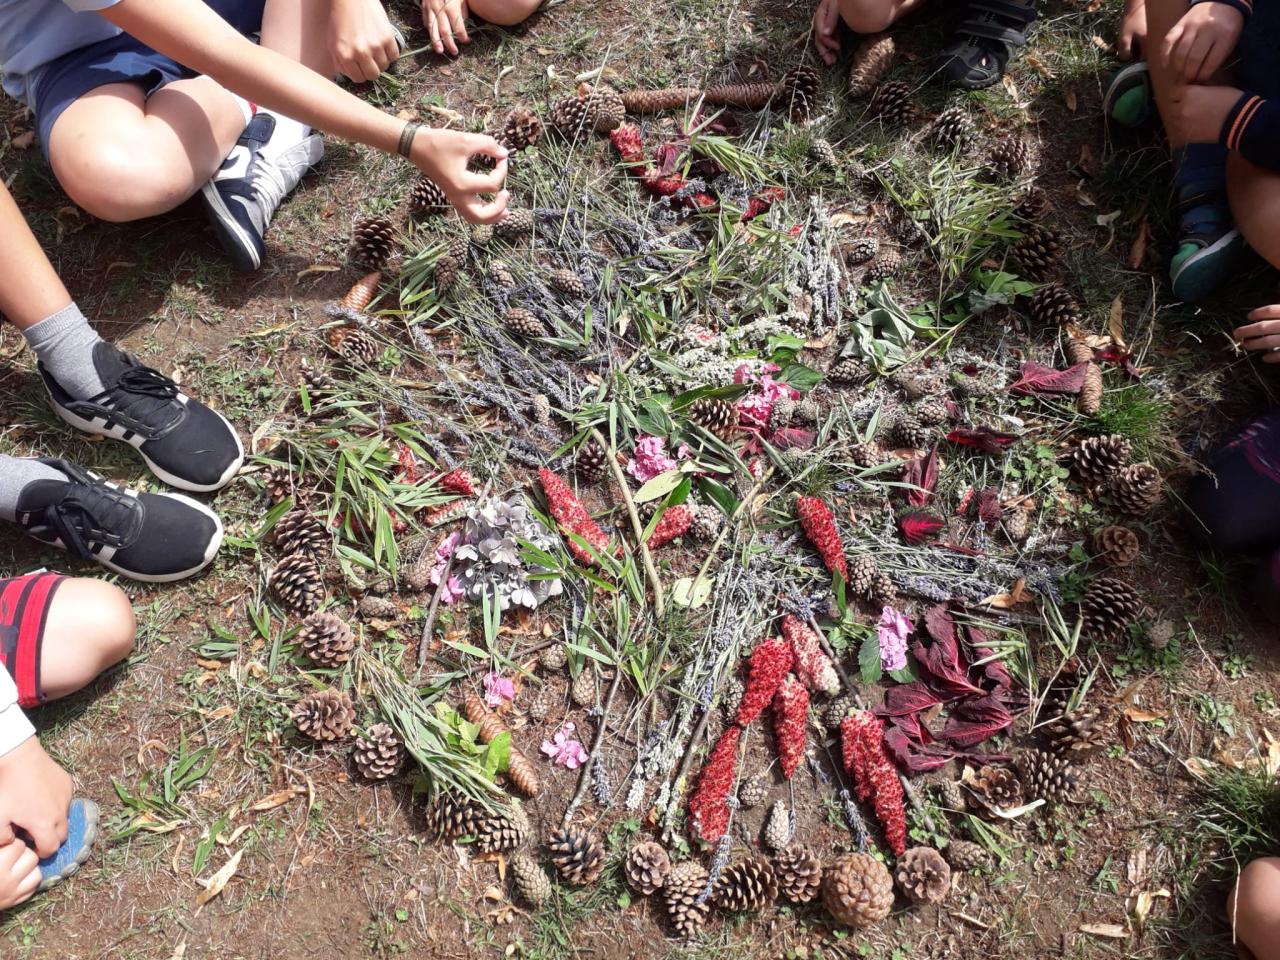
(288, 134)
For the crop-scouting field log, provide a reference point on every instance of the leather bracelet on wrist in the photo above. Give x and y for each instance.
(405, 146)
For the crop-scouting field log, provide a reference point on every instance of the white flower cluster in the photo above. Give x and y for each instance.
(492, 559)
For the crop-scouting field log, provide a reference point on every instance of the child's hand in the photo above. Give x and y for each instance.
(1133, 30)
(1202, 40)
(443, 155)
(361, 41)
(826, 20)
(19, 874)
(1263, 334)
(445, 20)
(35, 794)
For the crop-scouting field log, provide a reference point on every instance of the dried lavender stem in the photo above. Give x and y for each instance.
(585, 776)
(650, 571)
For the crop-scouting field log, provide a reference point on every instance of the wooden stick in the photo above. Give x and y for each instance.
(650, 571)
(585, 777)
(430, 622)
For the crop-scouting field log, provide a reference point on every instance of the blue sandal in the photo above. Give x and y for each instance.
(990, 33)
(82, 833)
(1128, 100)
(1208, 247)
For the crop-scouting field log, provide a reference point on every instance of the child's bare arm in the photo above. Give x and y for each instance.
(1132, 41)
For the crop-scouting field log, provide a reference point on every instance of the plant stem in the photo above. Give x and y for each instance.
(650, 571)
(585, 776)
(424, 643)
(732, 524)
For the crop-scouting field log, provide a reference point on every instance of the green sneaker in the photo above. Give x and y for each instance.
(1208, 248)
(1128, 100)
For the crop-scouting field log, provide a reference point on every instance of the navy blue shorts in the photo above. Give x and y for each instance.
(1256, 70)
(122, 59)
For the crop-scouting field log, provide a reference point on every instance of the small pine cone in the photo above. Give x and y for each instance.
(647, 867)
(753, 792)
(885, 265)
(1160, 634)
(778, 827)
(749, 884)
(592, 462)
(373, 240)
(850, 371)
(522, 323)
(458, 249)
(1047, 776)
(583, 689)
(1017, 523)
(996, 788)
(834, 713)
(373, 607)
(568, 283)
(501, 274)
(809, 410)
(355, 344)
(326, 640)
(910, 432)
(857, 890)
(871, 61)
(1009, 158)
(798, 91)
(504, 830)
(951, 795)
(539, 706)
(605, 109)
(530, 880)
(540, 409)
(1089, 399)
(782, 413)
(861, 249)
(317, 382)
(577, 857)
(1080, 733)
(1053, 305)
(821, 150)
(892, 103)
(731, 695)
(325, 715)
(799, 873)
(1109, 607)
(1032, 205)
(554, 657)
(521, 130)
(1115, 546)
(923, 875)
(1037, 254)
(712, 414)
(445, 273)
(932, 413)
(516, 222)
(300, 531)
(967, 855)
(953, 129)
(297, 583)
(707, 523)
(480, 234)
(277, 483)
(882, 589)
(862, 575)
(681, 894)
(1097, 459)
(426, 199)
(451, 816)
(1135, 489)
(379, 754)
(864, 455)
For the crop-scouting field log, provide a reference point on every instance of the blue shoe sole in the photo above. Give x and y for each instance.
(1206, 270)
(82, 833)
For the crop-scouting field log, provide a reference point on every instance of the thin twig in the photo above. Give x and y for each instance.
(650, 571)
(732, 524)
(430, 622)
(585, 777)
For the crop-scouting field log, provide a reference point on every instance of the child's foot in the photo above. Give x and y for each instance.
(82, 834)
(1208, 242)
(1127, 100)
(988, 36)
(185, 443)
(153, 537)
(243, 196)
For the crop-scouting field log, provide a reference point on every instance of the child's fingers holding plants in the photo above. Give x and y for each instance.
(476, 210)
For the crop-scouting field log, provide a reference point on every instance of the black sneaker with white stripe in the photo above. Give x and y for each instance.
(185, 444)
(153, 537)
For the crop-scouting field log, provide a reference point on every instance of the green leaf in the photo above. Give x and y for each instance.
(686, 593)
(869, 665)
(718, 494)
(498, 755)
(659, 486)
(799, 376)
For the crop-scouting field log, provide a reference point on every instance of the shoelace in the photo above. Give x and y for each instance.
(140, 392)
(88, 515)
(268, 186)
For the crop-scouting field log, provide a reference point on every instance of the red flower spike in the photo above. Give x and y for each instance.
(459, 482)
(674, 523)
(770, 662)
(409, 471)
(572, 516)
(874, 775)
(790, 723)
(820, 527)
(812, 666)
(709, 807)
(761, 202)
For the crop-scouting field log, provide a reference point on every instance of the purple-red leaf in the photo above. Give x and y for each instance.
(989, 509)
(907, 699)
(1036, 378)
(982, 438)
(918, 526)
(910, 756)
(973, 721)
(793, 438)
(921, 473)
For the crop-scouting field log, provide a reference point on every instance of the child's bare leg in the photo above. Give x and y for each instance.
(1162, 15)
(89, 627)
(1255, 204)
(1253, 909)
(505, 13)
(872, 16)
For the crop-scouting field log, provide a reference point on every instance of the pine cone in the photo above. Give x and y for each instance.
(857, 890)
(319, 385)
(892, 103)
(373, 240)
(821, 150)
(568, 283)
(849, 371)
(521, 130)
(707, 523)
(861, 249)
(577, 857)
(1089, 399)
(504, 830)
(583, 689)
(778, 827)
(374, 607)
(1115, 546)
(923, 875)
(1054, 306)
(1032, 205)
(864, 455)
(932, 412)
(714, 415)
(354, 344)
(782, 413)
(530, 880)
(592, 462)
(297, 584)
(910, 432)
(522, 323)
(540, 409)
(951, 795)
(1017, 523)
(680, 893)
(451, 816)
(655, 101)
(516, 222)
(1096, 459)
(426, 199)
(605, 109)
(501, 274)
(324, 715)
(326, 640)
(445, 273)
(1135, 489)
(835, 711)
(753, 792)
(379, 754)
(647, 867)
(1108, 607)
(554, 657)
(809, 410)
(731, 695)
(799, 91)
(885, 265)
(1047, 776)
(799, 873)
(953, 129)
(277, 483)
(300, 531)
(996, 788)
(539, 706)
(1037, 254)
(871, 61)
(862, 575)
(749, 884)
(742, 96)
(967, 855)
(571, 116)
(1080, 733)
(1009, 158)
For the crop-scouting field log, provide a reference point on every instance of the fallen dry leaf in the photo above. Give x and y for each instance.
(1115, 321)
(277, 799)
(1072, 102)
(1038, 65)
(1138, 715)
(218, 882)
(1138, 249)
(1112, 931)
(1007, 601)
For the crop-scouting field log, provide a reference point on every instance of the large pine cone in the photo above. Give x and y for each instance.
(857, 890)
(300, 531)
(923, 875)
(354, 344)
(884, 266)
(1135, 489)
(451, 816)
(426, 199)
(567, 282)
(515, 223)
(380, 753)
(996, 788)
(799, 873)
(1108, 607)
(680, 893)
(743, 96)
(747, 885)
(647, 867)
(530, 880)
(521, 130)
(799, 92)
(592, 462)
(871, 61)
(715, 415)
(1047, 776)
(1037, 254)
(1096, 459)
(1053, 305)
(326, 640)
(523, 323)
(503, 830)
(892, 103)
(851, 370)
(967, 855)
(1089, 399)
(1115, 546)
(373, 240)
(1009, 158)
(324, 715)
(1080, 733)
(577, 857)
(655, 101)
(952, 128)
(297, 584)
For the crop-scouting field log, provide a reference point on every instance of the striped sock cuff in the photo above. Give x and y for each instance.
(1244, 6)
(1252, 129)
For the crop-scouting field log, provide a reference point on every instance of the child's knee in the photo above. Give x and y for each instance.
(109, 622)
(1254, 905)
(867, 16)
(114, 182)
(505, 13)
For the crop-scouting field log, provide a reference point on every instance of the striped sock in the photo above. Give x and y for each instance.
(1252, 129)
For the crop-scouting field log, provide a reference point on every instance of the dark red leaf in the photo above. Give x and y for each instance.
(1037, 378)
(1114, 354)
(975, 720)
(982, 438)
(922, 473)
(907, 699)
(910, 756)
(793, 438)
(960, 548)
(918, 526)
(989, 509)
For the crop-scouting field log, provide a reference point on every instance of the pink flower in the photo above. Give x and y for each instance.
(754, 409)
(744, 374)
(451, 592)
(650, 459)
(498, 689)
(683, 452)
(894, 629)
(564, 751)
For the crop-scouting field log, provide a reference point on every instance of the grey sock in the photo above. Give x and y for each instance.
(64, 344)
(15, 474)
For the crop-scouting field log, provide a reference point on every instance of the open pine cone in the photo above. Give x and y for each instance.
(451, 816)
(300, 531)
(799, 873)
(1009, 158)
(521, 129)
(713, 414)
(277, 483)
(503, 830)
(297, 583)
(923, 875)
(681, 894)
(379, 754)
(592, 462)
(647, 867)
(857, 890)
(799, 91)
(326, 640)
(1135, 489)
(373, 241)
(996, 788)
(1096, 459)
(577, 857)
(1047, 776)
(1037, 254)
(325, 715)
(1109, 607)
(1115, 546)
(749, 884)
(871, 61)
(1082, 732)
(1053, 305)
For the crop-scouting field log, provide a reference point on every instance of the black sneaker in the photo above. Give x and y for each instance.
(153, 537)
(184, 443)
(244, 194)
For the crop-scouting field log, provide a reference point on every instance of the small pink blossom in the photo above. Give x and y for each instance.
(563, 750)
(683, 452)
(755, 407)
(650, 459)
(451, 592)
(894, 629)
(744, 373)
(498, 689)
